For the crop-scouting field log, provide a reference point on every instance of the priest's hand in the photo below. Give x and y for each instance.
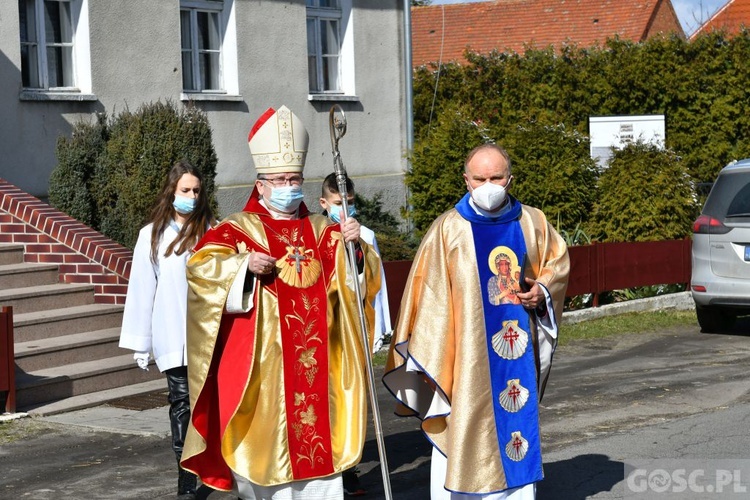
(534, 298)
(260, 263)
(350, 229)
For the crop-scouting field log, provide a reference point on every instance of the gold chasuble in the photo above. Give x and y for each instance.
(278, 393)
(466, 358)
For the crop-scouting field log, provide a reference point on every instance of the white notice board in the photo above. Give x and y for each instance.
(607, 132)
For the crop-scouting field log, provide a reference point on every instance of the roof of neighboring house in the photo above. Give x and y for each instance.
(731, 17)
(444, 32)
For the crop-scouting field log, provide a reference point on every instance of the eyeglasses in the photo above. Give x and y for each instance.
(294, 180)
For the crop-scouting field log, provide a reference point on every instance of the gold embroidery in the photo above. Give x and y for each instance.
(306, 341)
(306, 364)
(304, 429)
(241, 247)
(298, 268)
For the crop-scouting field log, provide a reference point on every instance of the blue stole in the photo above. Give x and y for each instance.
(500, 246)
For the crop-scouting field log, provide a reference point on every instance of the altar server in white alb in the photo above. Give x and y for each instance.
(330, 201)
(156, 302)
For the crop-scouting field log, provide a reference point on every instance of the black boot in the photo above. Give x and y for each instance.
(187, 483)
(179, 418)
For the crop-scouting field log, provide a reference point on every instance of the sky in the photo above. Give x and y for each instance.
(692, 13)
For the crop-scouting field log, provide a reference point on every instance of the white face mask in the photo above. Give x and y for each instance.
(489, 196)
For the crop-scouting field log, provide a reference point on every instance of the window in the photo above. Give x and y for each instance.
(330, 62)
(209, 58)
(47, 33)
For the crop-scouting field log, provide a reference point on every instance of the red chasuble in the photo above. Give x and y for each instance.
(278, 354)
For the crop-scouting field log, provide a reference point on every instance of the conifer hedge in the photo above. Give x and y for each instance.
(109, 173)
(537, 105)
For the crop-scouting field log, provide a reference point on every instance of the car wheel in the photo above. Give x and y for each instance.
(712, 320)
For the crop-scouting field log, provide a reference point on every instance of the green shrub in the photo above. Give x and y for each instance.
(70, 182)
(698, 84)
(645, 194)
(553, 171)
(393, 244)
(436, 178)
(130, 164)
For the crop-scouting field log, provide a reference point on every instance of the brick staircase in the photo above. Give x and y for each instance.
(66, 284)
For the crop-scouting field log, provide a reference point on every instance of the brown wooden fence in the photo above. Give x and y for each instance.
(596, 268)
(7, 362)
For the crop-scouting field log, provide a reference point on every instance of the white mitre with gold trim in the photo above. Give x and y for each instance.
(278, 142)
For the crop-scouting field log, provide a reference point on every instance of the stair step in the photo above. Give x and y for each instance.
(67, 349)
(11, 254)
(26, 274)
(41, 297)
(61, 382)
(56, 322)
(97, 398)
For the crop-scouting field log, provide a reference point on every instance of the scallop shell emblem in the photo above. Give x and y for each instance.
(517, 447)
(514, 396)
(511, 341)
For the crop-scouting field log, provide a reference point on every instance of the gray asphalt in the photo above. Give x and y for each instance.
(671, 395)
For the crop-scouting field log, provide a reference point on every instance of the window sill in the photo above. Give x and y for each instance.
(333, 97)
(47, 95)
(200, 96)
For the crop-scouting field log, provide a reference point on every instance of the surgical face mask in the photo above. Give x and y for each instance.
(183, 204)
(489, 196)
(334, 212)
(286, 199)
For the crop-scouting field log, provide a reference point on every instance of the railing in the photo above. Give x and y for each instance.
(7, 361)
(595, 269)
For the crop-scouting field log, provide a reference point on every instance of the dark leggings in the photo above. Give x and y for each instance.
(179, 407)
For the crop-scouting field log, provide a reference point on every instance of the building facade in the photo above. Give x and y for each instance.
(63, 61)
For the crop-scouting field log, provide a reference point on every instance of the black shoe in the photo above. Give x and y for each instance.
(352, 487)
(187, 483)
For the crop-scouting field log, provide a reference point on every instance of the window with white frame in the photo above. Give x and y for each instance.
(48, 32)
(203, 24)
(329, 47)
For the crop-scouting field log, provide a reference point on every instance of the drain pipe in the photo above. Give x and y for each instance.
(408, 98)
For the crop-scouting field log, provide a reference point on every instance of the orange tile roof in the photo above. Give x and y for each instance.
(731, 17)
(443, 32)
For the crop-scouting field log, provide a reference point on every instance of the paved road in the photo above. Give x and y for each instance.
(673, 394)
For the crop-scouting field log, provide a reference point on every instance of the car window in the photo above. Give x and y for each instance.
(730, 196)
(740, 204)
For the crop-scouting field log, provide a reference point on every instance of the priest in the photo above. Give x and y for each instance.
(276, 363)
(470, 366)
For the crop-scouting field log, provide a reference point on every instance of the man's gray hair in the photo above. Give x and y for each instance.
(482, 147)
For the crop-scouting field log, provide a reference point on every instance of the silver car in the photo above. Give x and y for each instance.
(720, 281)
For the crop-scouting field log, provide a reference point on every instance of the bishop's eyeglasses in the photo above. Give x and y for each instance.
(280, 181)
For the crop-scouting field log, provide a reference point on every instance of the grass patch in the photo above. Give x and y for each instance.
(641, 322)
(378, 359)
(20, 429)
(627, 323)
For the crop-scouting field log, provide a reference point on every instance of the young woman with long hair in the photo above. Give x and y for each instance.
(156, 303)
